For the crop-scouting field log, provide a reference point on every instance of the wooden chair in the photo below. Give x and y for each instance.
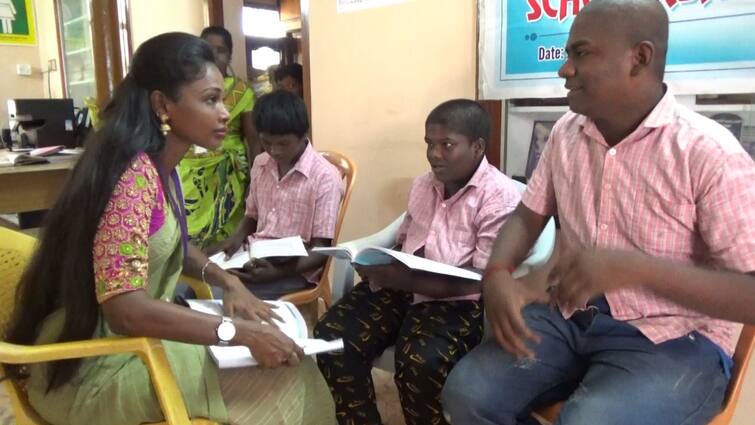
(348, 170)
(742, 356)
(15, 251)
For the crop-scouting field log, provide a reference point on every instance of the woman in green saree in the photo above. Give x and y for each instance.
(215, 182)
(113, 247)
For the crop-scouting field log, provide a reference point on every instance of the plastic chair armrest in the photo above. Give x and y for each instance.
(343, 272)
(201, 289)
(149, 350)
(543, 247)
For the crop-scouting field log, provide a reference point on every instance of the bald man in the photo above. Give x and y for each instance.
(656, 258)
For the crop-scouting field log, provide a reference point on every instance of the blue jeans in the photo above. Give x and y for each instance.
(609, 372)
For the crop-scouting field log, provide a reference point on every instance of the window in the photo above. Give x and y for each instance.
(264, 57)
(264, 23)
(78, 56)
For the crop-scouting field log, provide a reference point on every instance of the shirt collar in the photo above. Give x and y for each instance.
(661, 115)
(303, 165)
(476, 180)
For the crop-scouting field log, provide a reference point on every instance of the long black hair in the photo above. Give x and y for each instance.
(61, 273)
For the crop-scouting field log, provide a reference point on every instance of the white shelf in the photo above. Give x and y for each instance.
(80, 82)
(77, 51)
(75, 20)
(537, 109)
(724, 108)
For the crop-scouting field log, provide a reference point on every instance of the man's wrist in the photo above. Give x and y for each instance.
(494, 268)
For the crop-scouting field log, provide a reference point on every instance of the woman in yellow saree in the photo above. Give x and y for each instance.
(215, 183)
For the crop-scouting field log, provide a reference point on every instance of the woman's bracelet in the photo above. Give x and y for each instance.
(495, 268)
(204, 270)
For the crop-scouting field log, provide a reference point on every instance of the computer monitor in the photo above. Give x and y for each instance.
(43, 122)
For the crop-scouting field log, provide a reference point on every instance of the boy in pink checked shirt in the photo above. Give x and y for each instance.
(454, 213)
(655, 204)
(293, 191)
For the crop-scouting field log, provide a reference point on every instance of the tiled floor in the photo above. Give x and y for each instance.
(387, 398)
(6, 415)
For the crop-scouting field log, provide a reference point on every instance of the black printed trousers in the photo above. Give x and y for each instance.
(430, 337)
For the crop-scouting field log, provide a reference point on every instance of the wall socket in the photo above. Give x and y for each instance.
(52, 65)
(23, 69)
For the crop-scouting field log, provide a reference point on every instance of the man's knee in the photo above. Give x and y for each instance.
(470, 395)
(460, 387)
(641, 402)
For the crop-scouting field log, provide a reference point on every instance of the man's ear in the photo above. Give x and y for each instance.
(480, 146)
(159, 103)
(643, 55)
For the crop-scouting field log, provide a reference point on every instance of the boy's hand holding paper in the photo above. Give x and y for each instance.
(388, 276)
(284, 247)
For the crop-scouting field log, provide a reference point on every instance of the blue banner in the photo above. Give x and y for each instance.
(707, 39)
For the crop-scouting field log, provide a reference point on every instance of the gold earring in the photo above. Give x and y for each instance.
(164, 127)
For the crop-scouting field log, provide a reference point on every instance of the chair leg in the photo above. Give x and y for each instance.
(322, 307)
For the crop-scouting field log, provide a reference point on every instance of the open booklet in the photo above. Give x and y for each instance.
(37, 156)
(293, 326)
(285, 247)
(21, 158)
(376, 255)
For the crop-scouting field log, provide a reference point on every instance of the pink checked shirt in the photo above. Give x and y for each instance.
(679, 187)
(304, 202)
(460, 230)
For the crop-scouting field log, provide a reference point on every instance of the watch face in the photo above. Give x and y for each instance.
(226, 331)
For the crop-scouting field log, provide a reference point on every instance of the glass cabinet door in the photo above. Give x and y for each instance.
(78, 55)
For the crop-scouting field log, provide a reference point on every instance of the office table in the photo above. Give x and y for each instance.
(33, 187)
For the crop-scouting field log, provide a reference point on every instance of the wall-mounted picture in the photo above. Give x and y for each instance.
(748, 139)
(731, 122)
(540, 132)
(17, 22)
(744, 133)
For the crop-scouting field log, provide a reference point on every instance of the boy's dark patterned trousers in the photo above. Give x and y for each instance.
(430, 337)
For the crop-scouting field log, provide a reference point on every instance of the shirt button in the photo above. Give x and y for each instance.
(443, 205)
(277, 186)
(612, 152)
(273, 209)
(608, 186)
(603, 226)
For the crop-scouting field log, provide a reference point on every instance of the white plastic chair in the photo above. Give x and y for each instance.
(343, 272)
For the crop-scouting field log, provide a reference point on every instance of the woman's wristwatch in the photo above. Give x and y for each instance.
(225, 331)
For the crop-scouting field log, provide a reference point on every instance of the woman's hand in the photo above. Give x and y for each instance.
(240, 302)
(269, 346)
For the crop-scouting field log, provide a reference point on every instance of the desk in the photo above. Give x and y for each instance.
(32, 187)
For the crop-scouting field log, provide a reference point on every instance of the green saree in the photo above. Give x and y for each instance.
(215, 183)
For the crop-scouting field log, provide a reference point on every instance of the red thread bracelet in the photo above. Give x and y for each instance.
(494, 268)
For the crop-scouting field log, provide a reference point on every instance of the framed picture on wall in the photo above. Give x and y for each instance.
(540, 132)
(748, 139)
